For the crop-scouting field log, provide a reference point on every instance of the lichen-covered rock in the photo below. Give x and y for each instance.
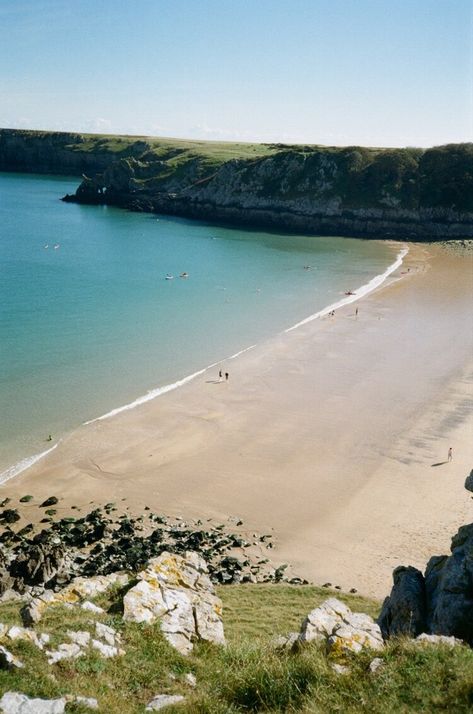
(161, 701)
(404, 611)
(177, 590)
(342, 630)
(76, 592)
(321, 622)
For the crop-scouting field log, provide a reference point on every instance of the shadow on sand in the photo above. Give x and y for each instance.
(440, 463)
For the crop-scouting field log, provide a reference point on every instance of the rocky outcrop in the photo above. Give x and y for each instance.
(404, 612)
(16, 703)
(341, 629)
(440, 602)
(178, 592)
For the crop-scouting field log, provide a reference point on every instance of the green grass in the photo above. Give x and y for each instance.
(249, 675)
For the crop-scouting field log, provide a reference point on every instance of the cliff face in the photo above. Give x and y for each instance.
(60, 153)
(400, 193)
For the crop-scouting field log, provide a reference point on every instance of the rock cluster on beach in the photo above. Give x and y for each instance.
(52, 553)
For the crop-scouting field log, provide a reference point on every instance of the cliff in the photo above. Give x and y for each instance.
(380, 193)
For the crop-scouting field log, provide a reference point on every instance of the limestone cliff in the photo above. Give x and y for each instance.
(399, 193)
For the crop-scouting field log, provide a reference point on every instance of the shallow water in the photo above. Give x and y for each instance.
(92, 324)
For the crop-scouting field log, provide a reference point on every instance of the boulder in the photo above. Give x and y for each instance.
(161, 701)
(64, 651)
(404, 611)
(177, 590)
(341, 629)
(40, 564)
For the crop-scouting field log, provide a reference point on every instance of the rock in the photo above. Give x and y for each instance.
(106, 650)
(404, 611)
(15, 703)
(320, 623)
(40, 564)
(469, 481)
(163, 700)
(343, 630)
(375, 664)
(177, 590)
(26, 499)
(106, 633)
(190, 679)
(9, 661)
(87, 605)
(23, 633)
(51, 501)
(10, 515)
(438, 640)
(80, 589)
(285, 642)
(64, 651)
(340, 668)
(448, 594)
(80, 638)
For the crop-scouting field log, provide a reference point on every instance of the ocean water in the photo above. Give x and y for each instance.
(88, 321)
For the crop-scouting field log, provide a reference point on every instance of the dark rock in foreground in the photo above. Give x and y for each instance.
(440, 602)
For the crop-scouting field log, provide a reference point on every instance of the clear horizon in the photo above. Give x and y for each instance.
(374, 73)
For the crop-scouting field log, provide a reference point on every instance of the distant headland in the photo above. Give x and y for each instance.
(405, 194)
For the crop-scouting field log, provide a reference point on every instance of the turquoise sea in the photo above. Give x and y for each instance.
(88, 321)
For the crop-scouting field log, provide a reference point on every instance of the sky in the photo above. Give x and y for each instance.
(336, 72)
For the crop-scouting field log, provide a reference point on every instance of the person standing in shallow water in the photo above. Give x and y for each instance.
(226, 376)
(450, 454)
(220, 375)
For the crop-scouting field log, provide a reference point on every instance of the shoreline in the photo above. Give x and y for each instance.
(327, 435)
(25, 463)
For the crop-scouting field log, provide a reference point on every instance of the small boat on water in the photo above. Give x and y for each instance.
(169, 277)
(184, 275)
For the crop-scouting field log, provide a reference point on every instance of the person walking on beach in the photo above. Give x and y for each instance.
(450, 454)
(226, 376)
(220, 375)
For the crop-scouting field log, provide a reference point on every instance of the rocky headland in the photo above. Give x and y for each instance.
(407, 194)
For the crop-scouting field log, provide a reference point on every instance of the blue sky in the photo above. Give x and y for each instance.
(372, 72)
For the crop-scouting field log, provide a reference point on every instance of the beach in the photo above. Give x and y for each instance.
(333, 436)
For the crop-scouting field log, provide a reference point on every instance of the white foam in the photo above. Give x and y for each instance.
(361, 292)
(237, 354)
(24, 464)
(152, 394)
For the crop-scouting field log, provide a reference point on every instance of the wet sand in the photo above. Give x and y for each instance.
(333, 435)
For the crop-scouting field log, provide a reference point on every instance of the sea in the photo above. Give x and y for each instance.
(95, 316)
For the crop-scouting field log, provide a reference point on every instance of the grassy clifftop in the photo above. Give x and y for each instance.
(249, 675)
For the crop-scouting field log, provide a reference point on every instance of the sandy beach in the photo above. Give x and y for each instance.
(333, 436)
